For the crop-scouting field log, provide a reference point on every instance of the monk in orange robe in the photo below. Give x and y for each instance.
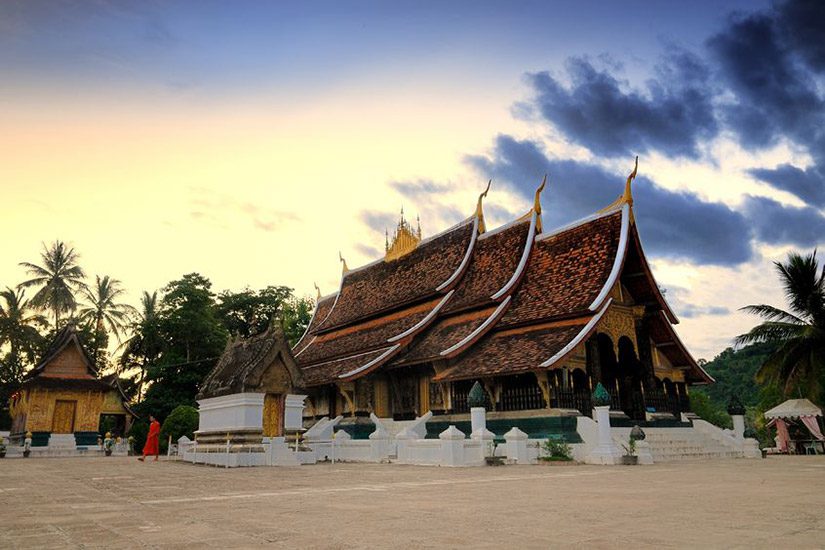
(152, 446)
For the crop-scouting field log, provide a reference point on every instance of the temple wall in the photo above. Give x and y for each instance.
(38, 404)
(69, 363)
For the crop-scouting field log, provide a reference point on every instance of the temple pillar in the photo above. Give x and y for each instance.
(645, 353)
(594, 366)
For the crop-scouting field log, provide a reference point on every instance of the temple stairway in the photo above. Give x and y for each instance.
(677, 444)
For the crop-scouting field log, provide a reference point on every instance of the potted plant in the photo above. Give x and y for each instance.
(493, 460)
(556, 452)
(2, 447)
(630, 458)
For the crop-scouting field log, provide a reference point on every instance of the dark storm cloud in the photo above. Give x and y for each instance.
(808, 185)
(772, 62)
(774, 95)
(778, 224)
(674, 114)
(673, 225)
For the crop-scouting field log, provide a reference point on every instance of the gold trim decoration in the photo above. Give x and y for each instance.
(482, 227)
(345, 269)
(627, 196)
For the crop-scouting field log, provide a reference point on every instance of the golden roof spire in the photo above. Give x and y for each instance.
(317, 293)
(482, 227)
(404, 241)
(344, 262)
(628, 195)
(536, 200)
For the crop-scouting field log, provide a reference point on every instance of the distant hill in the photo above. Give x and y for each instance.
(734, 372)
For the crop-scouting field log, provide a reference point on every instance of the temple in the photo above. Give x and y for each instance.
(64, 402)
(537, 316)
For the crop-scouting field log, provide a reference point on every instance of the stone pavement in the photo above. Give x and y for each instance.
(119, 502)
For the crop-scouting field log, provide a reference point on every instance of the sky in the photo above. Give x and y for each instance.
(252, 141)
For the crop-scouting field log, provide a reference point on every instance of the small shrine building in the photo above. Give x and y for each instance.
(64, 401)
(251, 393)
(538, 316)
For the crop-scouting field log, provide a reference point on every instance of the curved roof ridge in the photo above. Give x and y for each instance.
(525, 255)
(364, 369)
(671, 316)
(462, 267)
(478, 332)
(503, 227)
(423, 322)
(577, 223)
(582, 335)
(618, 262)
(312, 318)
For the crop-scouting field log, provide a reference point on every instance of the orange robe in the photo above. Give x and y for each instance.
(152, 440)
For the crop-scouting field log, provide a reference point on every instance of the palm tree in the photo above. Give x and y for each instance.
(19, 330)
(799, 361)
(145, 345)
(103, 313)
(59, 279)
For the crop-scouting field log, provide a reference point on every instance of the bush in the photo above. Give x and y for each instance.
(557, 450)
(709, 410)
(183, 420)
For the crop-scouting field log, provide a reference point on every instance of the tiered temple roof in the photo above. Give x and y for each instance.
(508, 301)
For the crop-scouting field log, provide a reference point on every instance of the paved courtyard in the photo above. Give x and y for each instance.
(119, 502)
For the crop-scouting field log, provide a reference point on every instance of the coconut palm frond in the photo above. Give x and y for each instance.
(770, 313)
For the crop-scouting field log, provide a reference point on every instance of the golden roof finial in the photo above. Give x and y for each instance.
(628, 195)
(317, 293)
(386, 239)
(537, 203)
(343, 261)
(537, 200)
(418, 225)
(482, 227)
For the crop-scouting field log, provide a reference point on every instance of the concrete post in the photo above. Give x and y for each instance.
(478, 423)
(606, 452)
(516, 445)
(401, 440)
(738, 426)
(294, 412)
(379, 444)
(452, 446)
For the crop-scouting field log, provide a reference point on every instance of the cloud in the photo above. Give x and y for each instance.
(675, 225)
(414, 188)
(674, 114)
(808, 184)
(778, 224)
(772, 62)
(216, 209)
(378, 221)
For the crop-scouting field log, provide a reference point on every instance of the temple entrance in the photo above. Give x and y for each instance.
(63, 419)
(629, 375)
(273, 415)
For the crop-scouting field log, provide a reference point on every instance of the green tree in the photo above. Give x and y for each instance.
(798, 364)
(19, 334)
(248, 312)
(193, 339)
(145, 345)
(58, 280)
(19, 330)
(104, 313)
(296, 314)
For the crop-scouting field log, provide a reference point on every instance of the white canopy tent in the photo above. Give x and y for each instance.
(794, 409)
